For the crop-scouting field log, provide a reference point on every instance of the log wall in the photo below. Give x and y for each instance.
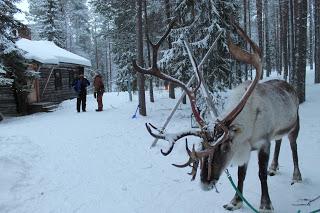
(58, 89)
(7, 101)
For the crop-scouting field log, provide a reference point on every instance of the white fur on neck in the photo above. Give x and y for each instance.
(242, 154)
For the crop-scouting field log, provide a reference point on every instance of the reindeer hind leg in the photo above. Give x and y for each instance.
(293, 144)
(275, 165)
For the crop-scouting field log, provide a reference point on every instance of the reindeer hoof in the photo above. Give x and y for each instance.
(296, 177)
(266, 208)
(266, 211)
(296, 181)
(273, 170)
(233, 205)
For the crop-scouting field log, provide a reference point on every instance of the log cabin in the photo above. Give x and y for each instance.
(57, 70)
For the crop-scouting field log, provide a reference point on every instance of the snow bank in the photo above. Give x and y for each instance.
(47, 52)
(66, 161)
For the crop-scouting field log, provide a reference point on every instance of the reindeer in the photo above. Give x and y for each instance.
(263, 112)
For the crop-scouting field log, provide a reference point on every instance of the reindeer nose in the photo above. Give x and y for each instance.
(214, 181)
(207, 186)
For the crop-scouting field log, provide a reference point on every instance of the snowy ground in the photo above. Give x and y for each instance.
(101, 162)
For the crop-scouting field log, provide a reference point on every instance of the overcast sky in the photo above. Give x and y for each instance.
(24, 7)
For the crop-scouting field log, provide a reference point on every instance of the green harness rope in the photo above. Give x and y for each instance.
(240, 194)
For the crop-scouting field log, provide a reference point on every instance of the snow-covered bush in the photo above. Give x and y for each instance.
(3, 79)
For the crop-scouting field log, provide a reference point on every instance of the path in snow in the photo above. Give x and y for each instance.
(101, 162)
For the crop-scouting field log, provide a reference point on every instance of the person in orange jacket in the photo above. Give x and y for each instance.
(98, 91)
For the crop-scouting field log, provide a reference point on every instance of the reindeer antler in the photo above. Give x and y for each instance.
(155, 71)
(248, 58)
(192, 162)
(172, 138)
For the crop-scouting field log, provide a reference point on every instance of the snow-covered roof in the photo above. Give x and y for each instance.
(47, 52)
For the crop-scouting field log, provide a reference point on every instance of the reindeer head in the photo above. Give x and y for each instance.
(218, 145)
(217, 157)
(217, 161)
(220, 161)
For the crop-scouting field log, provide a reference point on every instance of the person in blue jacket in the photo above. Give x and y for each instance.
(80, 86)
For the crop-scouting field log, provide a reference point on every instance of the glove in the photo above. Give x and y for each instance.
(95, 95)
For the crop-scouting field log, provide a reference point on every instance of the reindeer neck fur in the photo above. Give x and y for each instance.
(270, 113)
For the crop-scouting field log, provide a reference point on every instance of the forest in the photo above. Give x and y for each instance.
(113, 33)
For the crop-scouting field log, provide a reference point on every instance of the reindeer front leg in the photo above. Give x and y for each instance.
(236, 202)
(263, 155)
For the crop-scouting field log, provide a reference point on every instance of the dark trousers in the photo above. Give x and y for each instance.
(99, 100)
(81, 100)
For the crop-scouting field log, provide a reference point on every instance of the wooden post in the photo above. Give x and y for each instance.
(45, 87)
(184, 93)
(129, 89)
(204, 90)
(37, 86)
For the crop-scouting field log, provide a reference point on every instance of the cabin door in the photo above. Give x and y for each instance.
(34, 95)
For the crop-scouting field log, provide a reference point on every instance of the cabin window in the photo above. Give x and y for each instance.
(57, 79)
(71, 77)
(81, 70)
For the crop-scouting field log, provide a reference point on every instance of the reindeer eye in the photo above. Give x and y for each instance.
(225, 147)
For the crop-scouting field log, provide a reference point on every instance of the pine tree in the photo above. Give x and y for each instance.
(79, 25)
(200, 23)
(7, 25)
(119, 15)
(11, 61)
(49, 20)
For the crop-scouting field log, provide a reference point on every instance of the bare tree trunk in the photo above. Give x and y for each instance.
(172, 94)
(311, 34)
(292, 42)
(238, 72)
(148, 50)
(250, 32)
(317, 40)
(301, 8)
(106, 73)
(96, 44)
(140, 77)
(259, 22)
(184, 100)
(168, 16)
(110, 67)
(278, 48)
(267, 38)
(284, 13)
(245, 6)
